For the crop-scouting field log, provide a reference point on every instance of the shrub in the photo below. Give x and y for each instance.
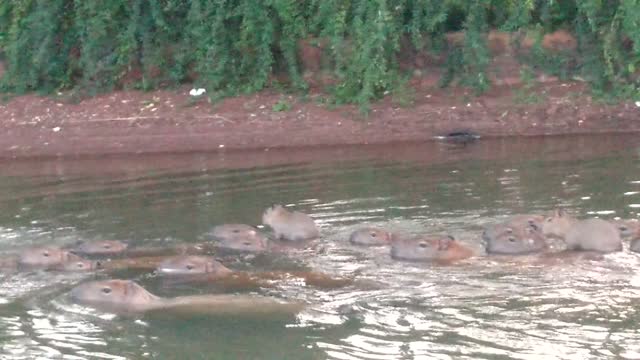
(238, 46)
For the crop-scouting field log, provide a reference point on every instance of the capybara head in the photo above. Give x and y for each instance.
(627, 228)
(514, 237)
(274, 214)
(100, 247)
(289, 225)
(43, 257)
(239, 237)
(192, 265)
(113, 295)
(370, 236)
(427, 248)
(557, 224)
(80, 265)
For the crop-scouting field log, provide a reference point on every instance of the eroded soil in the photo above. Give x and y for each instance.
(125, 122)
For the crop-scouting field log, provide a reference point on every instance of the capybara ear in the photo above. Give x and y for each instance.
(444, 244)
(273, 208)
(130, 288)
(71, 256)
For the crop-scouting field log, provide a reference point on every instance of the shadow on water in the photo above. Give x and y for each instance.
(482, 308)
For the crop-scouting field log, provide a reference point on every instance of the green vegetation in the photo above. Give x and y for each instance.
(527, 94)
(237, 46)
(281, 105)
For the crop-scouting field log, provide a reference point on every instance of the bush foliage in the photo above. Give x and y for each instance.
(240, 46)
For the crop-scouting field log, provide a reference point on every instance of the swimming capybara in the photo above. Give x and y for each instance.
(589, 235)
(204, 268)
(429, 248)
(100, 247)
(521, 234)
(188, 265)
(370, 236)
(290, 225)
(239, 237)
(44, 258)
(126, 296)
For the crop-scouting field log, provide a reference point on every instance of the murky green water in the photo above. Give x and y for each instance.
(482, 308)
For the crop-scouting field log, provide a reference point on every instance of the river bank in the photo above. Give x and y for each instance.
(172, 121)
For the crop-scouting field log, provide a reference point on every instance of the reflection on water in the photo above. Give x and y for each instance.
(482, 308)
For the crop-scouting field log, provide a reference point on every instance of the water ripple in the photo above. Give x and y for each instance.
(487, 307)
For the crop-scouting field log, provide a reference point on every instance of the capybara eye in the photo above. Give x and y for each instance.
(422, 245)
(246, 243)
(189, 267)
(509, 230)
(623, 228)
(45, 254)
(106, 246)
(80, 265)
(106, 290)
(235, 231)
(373, 234)
(512, 239)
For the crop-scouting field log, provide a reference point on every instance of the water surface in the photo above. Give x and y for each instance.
(483, 308)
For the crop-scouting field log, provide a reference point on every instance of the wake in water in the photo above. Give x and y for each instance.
(513, 297)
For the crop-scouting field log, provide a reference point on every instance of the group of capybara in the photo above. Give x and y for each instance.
(520, 234)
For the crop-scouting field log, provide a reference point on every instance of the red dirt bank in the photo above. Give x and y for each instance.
(169, 121)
